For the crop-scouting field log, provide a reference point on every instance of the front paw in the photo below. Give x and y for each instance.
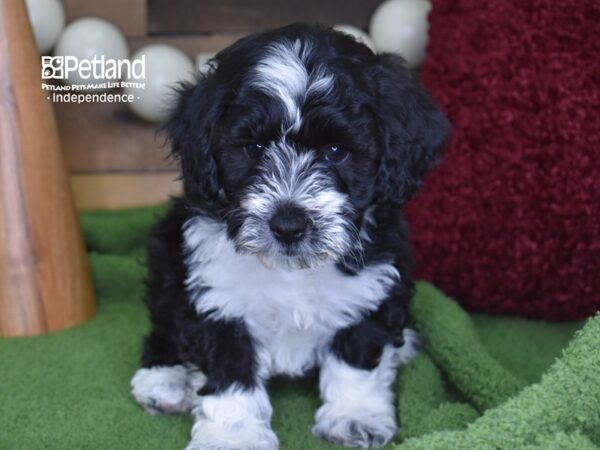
(166, 389)
(215, 435)
(363, 428)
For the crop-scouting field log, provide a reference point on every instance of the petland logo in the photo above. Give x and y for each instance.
(96, 75)
(61, 67)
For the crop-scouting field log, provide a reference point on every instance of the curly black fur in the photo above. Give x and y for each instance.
(377, 108)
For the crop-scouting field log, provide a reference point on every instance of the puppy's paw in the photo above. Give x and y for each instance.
(234, 419)
(361, 428)
(413, 345)
(214, 435)
(166, 389)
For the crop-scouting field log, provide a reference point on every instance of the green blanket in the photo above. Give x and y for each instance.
(484, 382)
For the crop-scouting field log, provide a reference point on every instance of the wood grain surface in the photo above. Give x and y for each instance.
(107, 137)
(45, 282)
(243, 16)
(128, 15)
(123, 190)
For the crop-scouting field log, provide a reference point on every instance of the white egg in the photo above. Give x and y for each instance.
(202, 60)
(47, 18)
(358, 34)
(166, 68)
(88, 38)
(401, 26)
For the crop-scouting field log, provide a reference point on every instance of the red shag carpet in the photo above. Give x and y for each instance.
(510, 223)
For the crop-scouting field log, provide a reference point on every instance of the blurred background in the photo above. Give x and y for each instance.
(508, 224)
(114, 157)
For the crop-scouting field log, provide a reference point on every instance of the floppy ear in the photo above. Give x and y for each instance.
(189, 131)
(413, 130)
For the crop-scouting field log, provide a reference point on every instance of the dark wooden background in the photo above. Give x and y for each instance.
(243, 16)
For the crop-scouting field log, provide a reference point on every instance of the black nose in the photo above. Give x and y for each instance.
(288, 224)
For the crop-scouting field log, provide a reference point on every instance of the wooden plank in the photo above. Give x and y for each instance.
(116, 191)
(190, 44)
(45, 281)
(243, 16)
(107, 137)
(128, 15)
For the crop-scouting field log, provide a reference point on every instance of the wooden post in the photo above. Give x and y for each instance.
(45, 281)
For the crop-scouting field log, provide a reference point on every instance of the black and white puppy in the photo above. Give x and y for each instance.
(287, 252)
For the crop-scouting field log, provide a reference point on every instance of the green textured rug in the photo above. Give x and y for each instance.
(497, 383)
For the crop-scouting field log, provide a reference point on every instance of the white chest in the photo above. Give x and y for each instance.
(291, 315)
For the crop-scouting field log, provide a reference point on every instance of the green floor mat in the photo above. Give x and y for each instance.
(483, 383)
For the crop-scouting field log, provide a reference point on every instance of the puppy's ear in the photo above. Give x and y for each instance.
(189, 131)
(413, 130)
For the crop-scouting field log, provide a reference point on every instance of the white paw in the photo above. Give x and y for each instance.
(166, 389)
(216, 435)
(357, 427)
(236, 419)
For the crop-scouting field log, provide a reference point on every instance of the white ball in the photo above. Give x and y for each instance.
(47, 18)
(357, 33)
(166, 67)
(203, 59)
(401, 26)
(88, 37)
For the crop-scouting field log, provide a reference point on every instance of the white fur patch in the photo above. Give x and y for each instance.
(291, 177)
(283, 74)
(358, 408)
(293, 315)
(167, 389)
(236, 419)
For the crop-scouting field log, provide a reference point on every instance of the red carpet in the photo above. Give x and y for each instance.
(510, 223)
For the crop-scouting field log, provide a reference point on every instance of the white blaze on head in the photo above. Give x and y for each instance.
(283, 74)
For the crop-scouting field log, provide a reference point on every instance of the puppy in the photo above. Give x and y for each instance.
(286, 252)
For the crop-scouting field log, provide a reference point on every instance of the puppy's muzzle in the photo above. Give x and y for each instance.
(289, 224)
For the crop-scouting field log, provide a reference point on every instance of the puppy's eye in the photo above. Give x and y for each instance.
(254, 150)
(336, 154)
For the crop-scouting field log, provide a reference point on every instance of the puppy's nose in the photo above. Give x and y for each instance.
(288, 224)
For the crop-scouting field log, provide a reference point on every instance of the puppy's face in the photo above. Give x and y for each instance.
(294, 134)
(297, 158)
